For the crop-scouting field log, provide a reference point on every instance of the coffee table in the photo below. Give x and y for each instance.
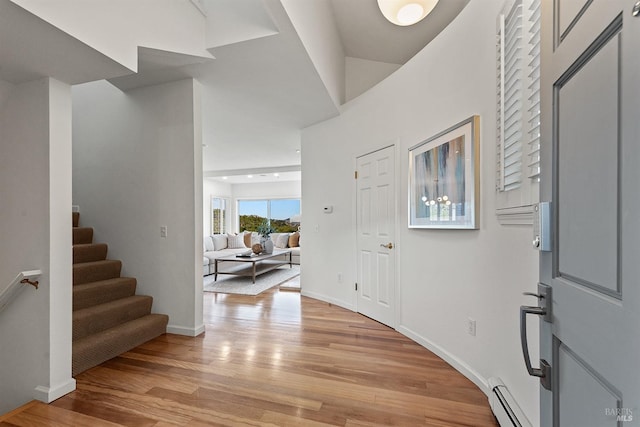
(253, 265)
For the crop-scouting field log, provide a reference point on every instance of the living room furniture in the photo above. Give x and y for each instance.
(252, 265)
(217, 246)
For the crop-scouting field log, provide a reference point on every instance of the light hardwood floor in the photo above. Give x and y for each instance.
(274, 359)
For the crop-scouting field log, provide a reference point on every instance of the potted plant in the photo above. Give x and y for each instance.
(265, 230)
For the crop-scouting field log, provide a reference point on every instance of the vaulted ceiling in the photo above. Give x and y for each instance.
(262, 79)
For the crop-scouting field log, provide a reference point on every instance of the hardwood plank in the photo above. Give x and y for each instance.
(273, 359)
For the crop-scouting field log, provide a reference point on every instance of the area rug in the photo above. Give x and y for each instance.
(243, 285)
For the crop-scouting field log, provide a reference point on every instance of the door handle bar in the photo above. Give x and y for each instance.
(544, 371)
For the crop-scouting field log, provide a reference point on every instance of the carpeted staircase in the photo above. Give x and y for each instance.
(108, 318)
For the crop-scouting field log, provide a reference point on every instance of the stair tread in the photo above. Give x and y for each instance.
(102, 261)
(117, 303)
(99, 283)
(100, 347)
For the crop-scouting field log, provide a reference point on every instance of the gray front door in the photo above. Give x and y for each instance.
(590, 172)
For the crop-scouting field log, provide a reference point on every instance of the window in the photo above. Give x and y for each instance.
(518, 110)
(283, 214)
(219, 215)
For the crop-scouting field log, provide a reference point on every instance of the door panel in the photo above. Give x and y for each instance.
(569, 12)
(364, 275)
(383, 222)
(579, 378)
(590, 162)
(384, 280)
(376, 215)
(588, 209)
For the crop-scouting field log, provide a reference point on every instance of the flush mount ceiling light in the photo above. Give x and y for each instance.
(406, 12)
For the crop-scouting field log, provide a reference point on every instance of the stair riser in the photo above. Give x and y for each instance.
(91, 294)
(99, 318)
(89, 253)
(82, 235)
(95, 272)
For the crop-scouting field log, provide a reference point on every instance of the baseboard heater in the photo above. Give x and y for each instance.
(504, 406)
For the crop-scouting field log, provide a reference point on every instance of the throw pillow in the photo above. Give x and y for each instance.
(247, 239)
(294, 240)
(235, 241)
(282, 241)
(219, 241)
(208, 244)
(255, 238)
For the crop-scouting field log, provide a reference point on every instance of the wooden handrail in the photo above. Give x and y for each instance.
(14, 288)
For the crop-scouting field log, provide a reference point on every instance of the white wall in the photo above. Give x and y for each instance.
(136, 167)
(444, 276)
(35, 233)
(362, 74)
(268, 190)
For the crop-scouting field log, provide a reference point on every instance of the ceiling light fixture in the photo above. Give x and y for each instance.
(406, 12)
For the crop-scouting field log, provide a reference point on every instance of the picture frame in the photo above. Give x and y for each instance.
(444, 179)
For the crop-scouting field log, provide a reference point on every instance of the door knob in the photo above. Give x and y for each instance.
(388, 245)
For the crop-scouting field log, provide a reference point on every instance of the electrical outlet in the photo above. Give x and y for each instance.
(471, 326)
(163, 231)
(339, 277)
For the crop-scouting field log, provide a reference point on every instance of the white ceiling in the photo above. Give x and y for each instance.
(258, 177)
(366, 34)
(261, 89)
(261, 92)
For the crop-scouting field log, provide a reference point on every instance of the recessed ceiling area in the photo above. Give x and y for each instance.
(366, 34)
(258, 178)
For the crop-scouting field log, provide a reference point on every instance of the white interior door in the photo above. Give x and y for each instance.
(590, 162)
(376, 235)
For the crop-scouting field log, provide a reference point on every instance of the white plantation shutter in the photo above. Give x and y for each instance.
(518, 104)
(510, 93)
(533, 110)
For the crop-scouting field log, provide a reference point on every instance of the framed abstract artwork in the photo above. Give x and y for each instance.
(444, 179)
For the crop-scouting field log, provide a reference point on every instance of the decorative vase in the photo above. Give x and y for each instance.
(267, 245)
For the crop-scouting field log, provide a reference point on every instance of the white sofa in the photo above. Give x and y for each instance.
(217, 246)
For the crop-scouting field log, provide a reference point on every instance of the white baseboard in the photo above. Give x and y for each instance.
(457, 364)
(181, 330)
(325, 298)
(49, 394)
